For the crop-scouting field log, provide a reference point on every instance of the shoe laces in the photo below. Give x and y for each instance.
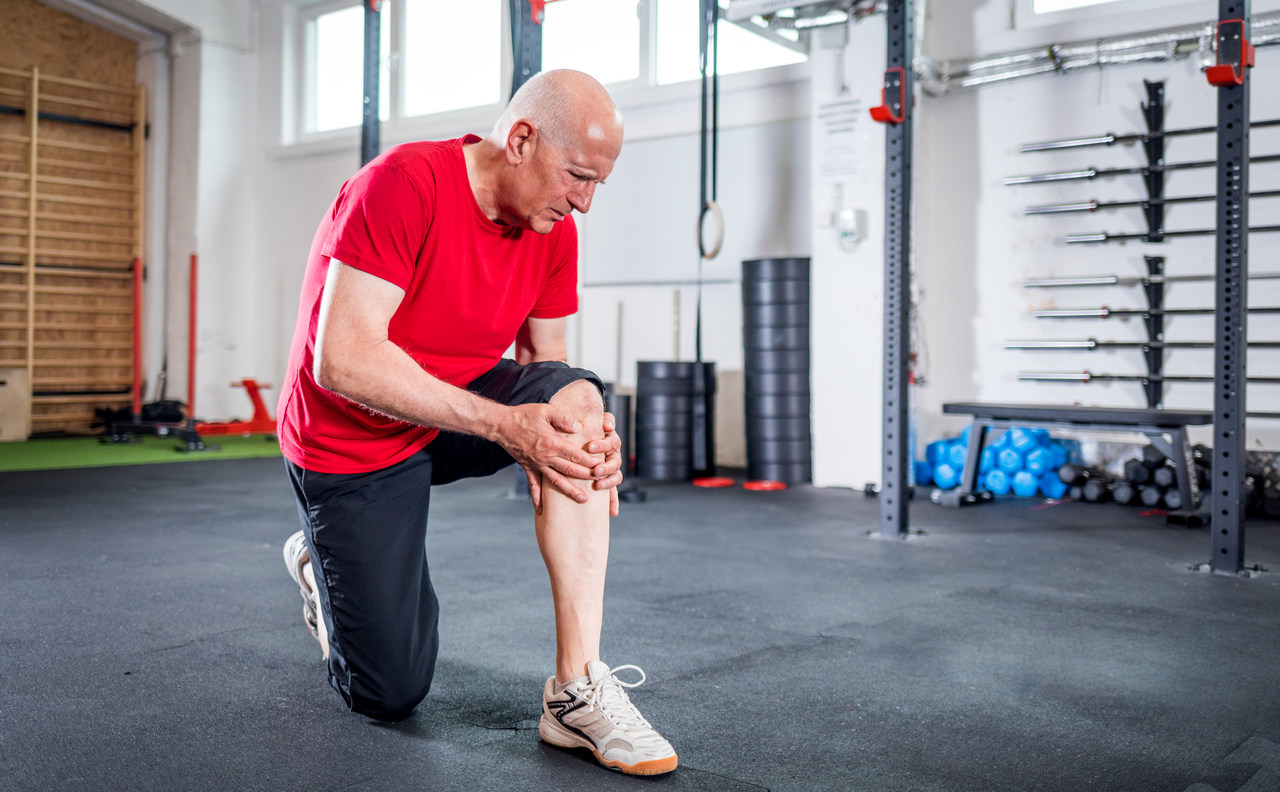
(606, 695)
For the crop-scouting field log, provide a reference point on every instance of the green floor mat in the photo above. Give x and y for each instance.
(80, 452)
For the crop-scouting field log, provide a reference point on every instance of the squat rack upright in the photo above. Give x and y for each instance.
(1226, 492)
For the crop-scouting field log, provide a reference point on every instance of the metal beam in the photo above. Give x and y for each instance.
(526, 42)
(898, 111)
(1226, 493)
(370, 132)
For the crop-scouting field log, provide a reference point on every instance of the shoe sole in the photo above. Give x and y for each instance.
(552, 732)
(293, 562)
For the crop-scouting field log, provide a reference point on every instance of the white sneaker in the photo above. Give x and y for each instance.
(594, 712)
(296, 556)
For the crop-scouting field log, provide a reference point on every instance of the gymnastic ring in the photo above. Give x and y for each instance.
(711, 208)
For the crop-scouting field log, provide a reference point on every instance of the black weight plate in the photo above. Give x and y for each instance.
(663, 402)
(786, 472)
(765, 382)
(778, 429)
(664, 455)
(791, 314)
(775, 269)
(777, 405)
(778, 291)
(777, 338)
(671, 386)
(663, 421)
(664, 369)
(780, 450)
(663, 438)
(656, 472)
(762, 360)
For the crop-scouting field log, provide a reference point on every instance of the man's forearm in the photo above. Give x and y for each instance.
(386, 379)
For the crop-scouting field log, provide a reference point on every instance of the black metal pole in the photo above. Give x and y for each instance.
(1154, 322)
(900, 41)
(1153, 110)
(370, 133)
(526, 43)
(67, 119)
(1227, 491)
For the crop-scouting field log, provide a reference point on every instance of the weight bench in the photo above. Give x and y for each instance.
(1167, 430)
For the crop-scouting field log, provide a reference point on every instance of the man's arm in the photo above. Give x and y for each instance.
(355, 358)
(541, 339)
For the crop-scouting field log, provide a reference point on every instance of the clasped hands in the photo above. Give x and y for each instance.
(541, 439)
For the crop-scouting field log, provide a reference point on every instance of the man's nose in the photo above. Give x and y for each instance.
(580, 199)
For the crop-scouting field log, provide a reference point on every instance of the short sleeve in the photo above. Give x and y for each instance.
(379, 223)
(559, 296)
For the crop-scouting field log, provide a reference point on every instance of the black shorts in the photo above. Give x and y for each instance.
(366, 533)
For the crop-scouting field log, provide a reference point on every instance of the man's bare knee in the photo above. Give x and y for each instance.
(583, 400)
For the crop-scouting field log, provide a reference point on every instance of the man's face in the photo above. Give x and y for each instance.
(561, 180)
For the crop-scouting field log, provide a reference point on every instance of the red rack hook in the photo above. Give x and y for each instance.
(893, 97)
(1235, 54)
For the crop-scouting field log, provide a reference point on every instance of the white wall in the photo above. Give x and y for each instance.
(848, 283)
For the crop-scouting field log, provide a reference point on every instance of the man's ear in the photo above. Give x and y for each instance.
(521, 142)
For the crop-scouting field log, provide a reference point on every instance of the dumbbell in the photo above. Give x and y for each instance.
(1074, 475)
(1172, 499)
(1151, 495)
(1164, 476)
(1124, 493)
(1097, 490)
(1137, 471)
(1271, 504)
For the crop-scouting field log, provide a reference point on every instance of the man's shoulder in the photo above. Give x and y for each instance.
(423, 153)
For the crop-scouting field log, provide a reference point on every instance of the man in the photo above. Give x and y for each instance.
(431, 262)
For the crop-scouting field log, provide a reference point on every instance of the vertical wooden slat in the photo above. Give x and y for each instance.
(33, 121)
(139, 165)
(139, 205)
(137, 340)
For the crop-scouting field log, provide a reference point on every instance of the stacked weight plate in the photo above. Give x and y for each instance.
(775, 334)
(664, 419)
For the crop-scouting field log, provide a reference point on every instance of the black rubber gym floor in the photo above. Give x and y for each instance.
(150, 639)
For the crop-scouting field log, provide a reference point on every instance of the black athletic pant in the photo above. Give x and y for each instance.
(366, 533)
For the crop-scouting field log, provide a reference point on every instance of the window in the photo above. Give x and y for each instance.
(446, 56)
(334, 53)
(599, 37)
(739, 50)
(452, 55)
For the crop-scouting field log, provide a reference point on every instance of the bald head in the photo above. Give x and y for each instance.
(565, 106)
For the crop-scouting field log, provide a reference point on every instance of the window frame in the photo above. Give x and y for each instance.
(305, 13)
(1179, 12)
(642, 100)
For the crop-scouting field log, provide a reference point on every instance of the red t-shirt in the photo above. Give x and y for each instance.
(410, 218)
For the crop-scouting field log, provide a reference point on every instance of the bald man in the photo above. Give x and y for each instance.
(432, 261)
